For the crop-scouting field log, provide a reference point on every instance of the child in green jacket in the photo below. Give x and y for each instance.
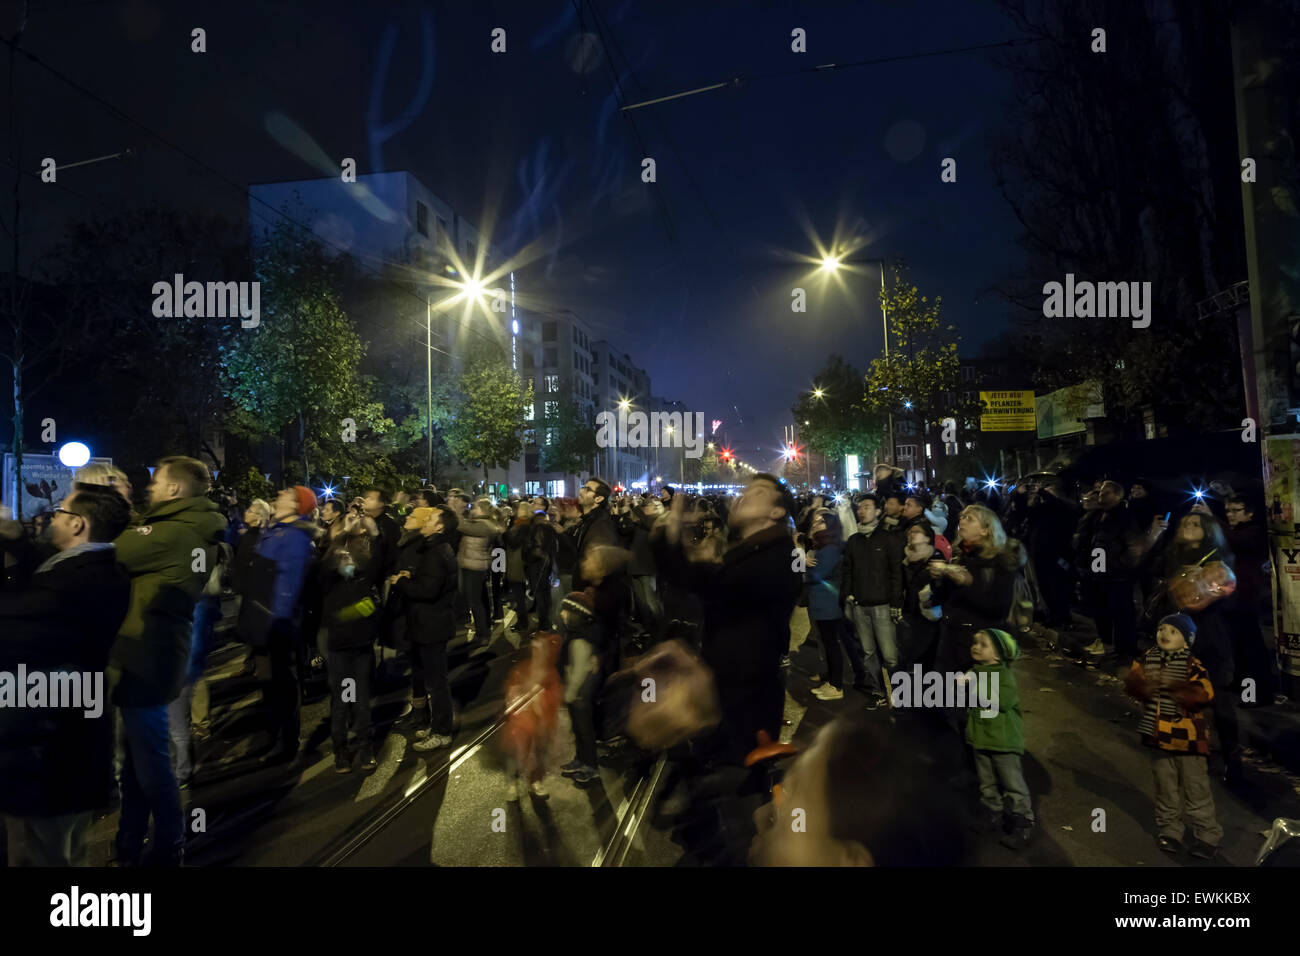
(993, 730)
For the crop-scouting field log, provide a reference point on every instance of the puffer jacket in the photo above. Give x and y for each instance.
(475, 550)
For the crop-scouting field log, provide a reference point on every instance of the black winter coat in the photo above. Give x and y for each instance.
(871, 570)
(343, 621)
(430, 592)
(747, 603)
(986, 601)
(57, 761)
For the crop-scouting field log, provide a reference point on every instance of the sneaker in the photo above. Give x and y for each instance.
(1169, 845)
(342, 764)
(993, 822)
(584, 775)
(1201, 850)
(570, 767)
(422, 733)
(785, 660)
(876, 703)
(1096, 648)
(368, 761)
(538, 790)
(827, 692)
(1022, 832)
(514, 791)
(432, 742)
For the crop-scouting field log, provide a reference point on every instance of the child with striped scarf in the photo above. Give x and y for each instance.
(1174, 688)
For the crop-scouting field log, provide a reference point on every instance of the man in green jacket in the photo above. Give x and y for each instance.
(168, 556)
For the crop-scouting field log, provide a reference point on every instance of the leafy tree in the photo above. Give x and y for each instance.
(161, 391)
(1097, 201)
(487, 426)
(838, 422)
(295, 377)
(573, 437)
(923, 367)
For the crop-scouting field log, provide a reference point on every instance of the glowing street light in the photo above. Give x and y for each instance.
(830, 263)
(74, 454)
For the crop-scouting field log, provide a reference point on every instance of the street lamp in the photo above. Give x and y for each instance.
(832, 264)
(471, 288)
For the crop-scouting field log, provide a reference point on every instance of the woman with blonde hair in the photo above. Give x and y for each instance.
(976, 588)
(107, 476)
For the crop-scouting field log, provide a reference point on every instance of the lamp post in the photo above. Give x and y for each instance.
(832, 264)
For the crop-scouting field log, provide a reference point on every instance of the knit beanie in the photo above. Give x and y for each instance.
(1006, 646)
(1184, 624)
(580, 602)
(306, 500)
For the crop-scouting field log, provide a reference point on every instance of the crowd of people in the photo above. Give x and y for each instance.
(693, 593)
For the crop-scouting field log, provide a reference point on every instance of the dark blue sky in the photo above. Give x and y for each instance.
(533, 138)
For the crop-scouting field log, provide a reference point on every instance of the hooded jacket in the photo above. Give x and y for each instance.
(288, 545)
(474, 552)
(149, 657)
(1001, 732)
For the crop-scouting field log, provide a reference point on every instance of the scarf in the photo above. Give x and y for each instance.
(869, 528)
(1162, 706)
(83, 548)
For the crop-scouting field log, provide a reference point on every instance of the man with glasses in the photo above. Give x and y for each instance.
(61, 615)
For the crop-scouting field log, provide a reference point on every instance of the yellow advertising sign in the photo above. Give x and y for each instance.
(1008, 412)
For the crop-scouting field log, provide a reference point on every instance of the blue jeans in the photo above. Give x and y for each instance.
(149, 788)
(206, 614)
(875, 630)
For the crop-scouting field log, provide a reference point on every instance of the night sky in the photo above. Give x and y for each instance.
(696, 288)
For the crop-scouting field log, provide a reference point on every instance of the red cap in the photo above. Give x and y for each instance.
(306, 500)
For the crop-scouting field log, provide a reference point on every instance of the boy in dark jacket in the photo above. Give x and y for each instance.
(871, 580)
(1174, 688)
(993, 730)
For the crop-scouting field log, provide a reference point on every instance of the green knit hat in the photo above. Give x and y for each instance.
(1006, 646)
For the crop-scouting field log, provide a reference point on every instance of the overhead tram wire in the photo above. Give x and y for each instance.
(636, 133)
(201, 164)
(832, 67)
(608, 37)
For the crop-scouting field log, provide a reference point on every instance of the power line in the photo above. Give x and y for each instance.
(828, 67)
(243, 191)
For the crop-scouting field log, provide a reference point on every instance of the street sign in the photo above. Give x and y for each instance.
(1008, 412)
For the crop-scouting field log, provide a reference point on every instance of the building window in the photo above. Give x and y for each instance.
(550, 436)
(532, 487)
(551, 359)
(442, 230)
(528, 360)
(421, 218)
(968, 373)
(555, 489)
(530, 437)
(552, 410)
(552, 384)
(528, 413)
(549, 332)
(595, 379)
(907, 452)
